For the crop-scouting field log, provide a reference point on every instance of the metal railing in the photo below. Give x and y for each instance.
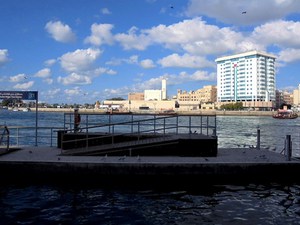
(110, 127)
(26, 136)
(4, 138)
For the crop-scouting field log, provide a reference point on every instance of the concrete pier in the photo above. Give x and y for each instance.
(46, 164)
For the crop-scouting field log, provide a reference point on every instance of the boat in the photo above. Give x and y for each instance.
(26, 110)
(167, 112)
(285, 114)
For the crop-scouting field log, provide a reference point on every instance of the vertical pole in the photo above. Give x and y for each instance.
(258, 139)
(36, 118)
(288, 147)
(176, 124)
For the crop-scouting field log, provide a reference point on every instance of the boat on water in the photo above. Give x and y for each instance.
(167, 112)
(26, 110)
(285, 114)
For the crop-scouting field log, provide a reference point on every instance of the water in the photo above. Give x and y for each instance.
(268, 203)
(225, 204)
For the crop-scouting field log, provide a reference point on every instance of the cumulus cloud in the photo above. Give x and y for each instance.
(3, 56)
(193, 36)
(231, 11)
(147, 64)
(79, 60)
(60, 32)
(50, 62)
(132, 40)
(101, 34)
(74, 91)
(18, 78)
(281, 33)
(24, 86)
(74, 78)
(186, 60)
(289, 55)
(43, 73)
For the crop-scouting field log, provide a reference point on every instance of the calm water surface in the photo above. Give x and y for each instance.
(210, 204)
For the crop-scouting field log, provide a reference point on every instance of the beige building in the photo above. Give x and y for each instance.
(206, 94)
(136, 96)
(203, 98)
(141, 105)
(296, 96)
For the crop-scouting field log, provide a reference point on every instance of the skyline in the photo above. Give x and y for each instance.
(87, 51)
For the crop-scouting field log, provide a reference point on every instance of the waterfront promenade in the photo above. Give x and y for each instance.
(231, 165)
(191, 112)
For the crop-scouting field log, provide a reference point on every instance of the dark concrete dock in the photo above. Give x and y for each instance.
(230, 165)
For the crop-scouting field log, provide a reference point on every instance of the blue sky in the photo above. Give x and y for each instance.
(81, 51)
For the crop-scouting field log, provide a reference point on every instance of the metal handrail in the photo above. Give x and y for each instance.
(5, 133)
(22, 135)
(160, 124)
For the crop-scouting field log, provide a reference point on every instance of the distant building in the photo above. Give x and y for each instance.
(196, 99)
(150, 95)
(206, 94)
(283, 97)
(136, 96)
(164, 89)
(248, 76)
(296, 96)
(157, 95)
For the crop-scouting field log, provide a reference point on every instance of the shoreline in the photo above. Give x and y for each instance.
(193, 112)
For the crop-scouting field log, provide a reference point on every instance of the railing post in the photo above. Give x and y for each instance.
(7, 144)
(201, 123)
(207, 125)
(258, 139)
(154, 124)
(288, 147)
(164, 126)
(176, 124)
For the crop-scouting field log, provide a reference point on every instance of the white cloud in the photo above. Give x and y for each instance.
(43, 73)
(289, 55)
(281, 33)
(72, 92)
(105, 11)
(147, 64)
(133, 41)
(101, 34)
(60, 32)
(79, 60)
(74, 78)
(257, 11)
(18, 78)
(24, 86)
(50, 62)
(3, 56)
(192, 36)
(185, 60)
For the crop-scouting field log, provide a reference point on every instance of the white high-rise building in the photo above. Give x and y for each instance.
(248, 76)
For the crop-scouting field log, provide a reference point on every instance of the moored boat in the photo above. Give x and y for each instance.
(285, 114)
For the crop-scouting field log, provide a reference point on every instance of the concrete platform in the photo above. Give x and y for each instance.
(46, 164)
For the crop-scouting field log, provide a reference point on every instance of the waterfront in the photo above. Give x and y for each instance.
(207, 204)
(232, 131)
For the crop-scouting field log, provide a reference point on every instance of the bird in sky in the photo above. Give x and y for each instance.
(244, 12)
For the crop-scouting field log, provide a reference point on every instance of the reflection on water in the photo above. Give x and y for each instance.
(225, 204)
